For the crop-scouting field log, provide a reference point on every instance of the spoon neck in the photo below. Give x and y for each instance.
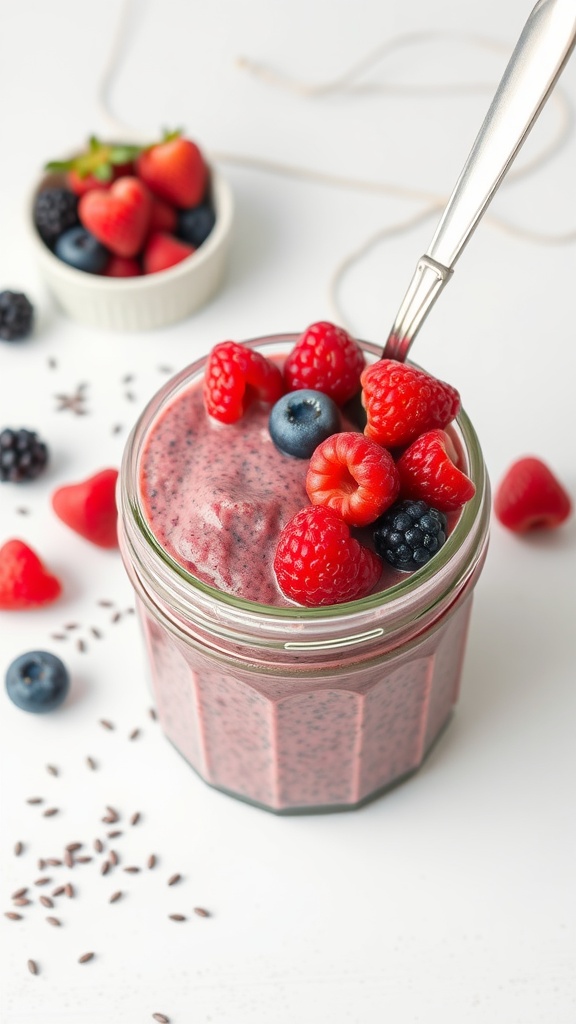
(430, 278)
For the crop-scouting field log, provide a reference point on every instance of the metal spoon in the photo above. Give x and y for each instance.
(541, 53)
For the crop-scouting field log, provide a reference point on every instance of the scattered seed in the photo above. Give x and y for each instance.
(98, 845)
(134, 734)
(52, 363)
(85, 958)
(176, 917)
(165, 369)
(69, 890)
(128, 378)
(201, 912)
(81, 646)
(132, 870)
(42, 881)
(152, 713)
(23, 511)
(58, 890)
(116, 428)
(72, 847)
(68, 859)
(130, 396)
(83, 860)
(106, 724)
(51, 769)
(174, 879)
(46, 901)
(35, 800)
(116, 617)
(161, 1018)
(113, 856)
(21, 902)
(152, 861)
(91, 764)
(50, 812)
(19, 893)
(114, 834)
(105, 867)
(130, 611)
(115, 897)
(12, 915)
(18, 848)
(58, 636)
(54, 921)
(106, 604)
(41, 864)
(71, 625)
(95, 633)
(53, 862)
(33, 967)
(135, 818)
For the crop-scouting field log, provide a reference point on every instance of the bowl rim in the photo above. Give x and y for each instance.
(223, 205)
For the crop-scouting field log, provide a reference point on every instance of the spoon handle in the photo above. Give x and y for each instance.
(543, 49)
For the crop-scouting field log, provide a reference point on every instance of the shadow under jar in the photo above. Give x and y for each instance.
(298, 709)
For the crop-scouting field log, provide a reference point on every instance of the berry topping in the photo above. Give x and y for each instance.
(55, 210)
(89, 508)
(23, 456)
(163, 251)
(24, 581)
(354, 476)
(300, 420)
(37, 681)
(16, 316)
(234, 375)
(79, 249)
(402, 402)
(163, 216)
(98, 165)
(530, 497)
(119, 216)
(428, 472)
(122, 266)
(317, 562)
(325, 358)
(409, 534)
(196, 223)
(174, 170)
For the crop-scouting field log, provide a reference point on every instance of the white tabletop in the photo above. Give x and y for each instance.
(452, 898)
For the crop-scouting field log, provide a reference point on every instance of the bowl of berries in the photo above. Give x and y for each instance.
(132, 237)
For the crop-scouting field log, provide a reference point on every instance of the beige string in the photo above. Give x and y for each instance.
(347, 83)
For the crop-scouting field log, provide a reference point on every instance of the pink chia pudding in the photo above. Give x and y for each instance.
(294, 709)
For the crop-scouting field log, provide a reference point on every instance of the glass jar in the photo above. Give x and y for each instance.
(298, 709)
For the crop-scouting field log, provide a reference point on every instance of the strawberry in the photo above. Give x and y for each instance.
(174, 170)
(97, 167)
(402, 402)
(354, 476)
(89, 508)
(122, 266)
(163, 216)
(234, 375)
(325, 358)
(317, 562)
(163, 251)
(428, 472)
(24, 580)
(530, 497)
(119, 216)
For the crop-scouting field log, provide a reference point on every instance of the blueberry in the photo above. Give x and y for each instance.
(196, 223)
(37, 681)
(81, 250)
(301, 420)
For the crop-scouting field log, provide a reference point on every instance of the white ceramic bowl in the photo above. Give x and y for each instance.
(149, 301)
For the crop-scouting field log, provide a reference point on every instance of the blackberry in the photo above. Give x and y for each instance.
(23, 455)
(16, 316)
(409, 534)
(55, 210)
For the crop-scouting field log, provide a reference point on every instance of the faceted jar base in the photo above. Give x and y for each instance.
(296, 742)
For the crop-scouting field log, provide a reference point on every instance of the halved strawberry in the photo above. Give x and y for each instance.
(24, 580)
(174, 170)
(428, 472)
(89, 508)
(530, 497)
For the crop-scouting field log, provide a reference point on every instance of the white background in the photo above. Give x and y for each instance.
(451, 899)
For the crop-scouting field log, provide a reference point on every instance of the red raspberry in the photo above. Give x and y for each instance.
(24, 580)
(354, 476)
(234, 375)
(317, 562)
(325, 358)
(428, 473)
(402, 402)
(530, 497)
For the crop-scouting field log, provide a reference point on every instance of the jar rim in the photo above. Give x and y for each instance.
(396, 595)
